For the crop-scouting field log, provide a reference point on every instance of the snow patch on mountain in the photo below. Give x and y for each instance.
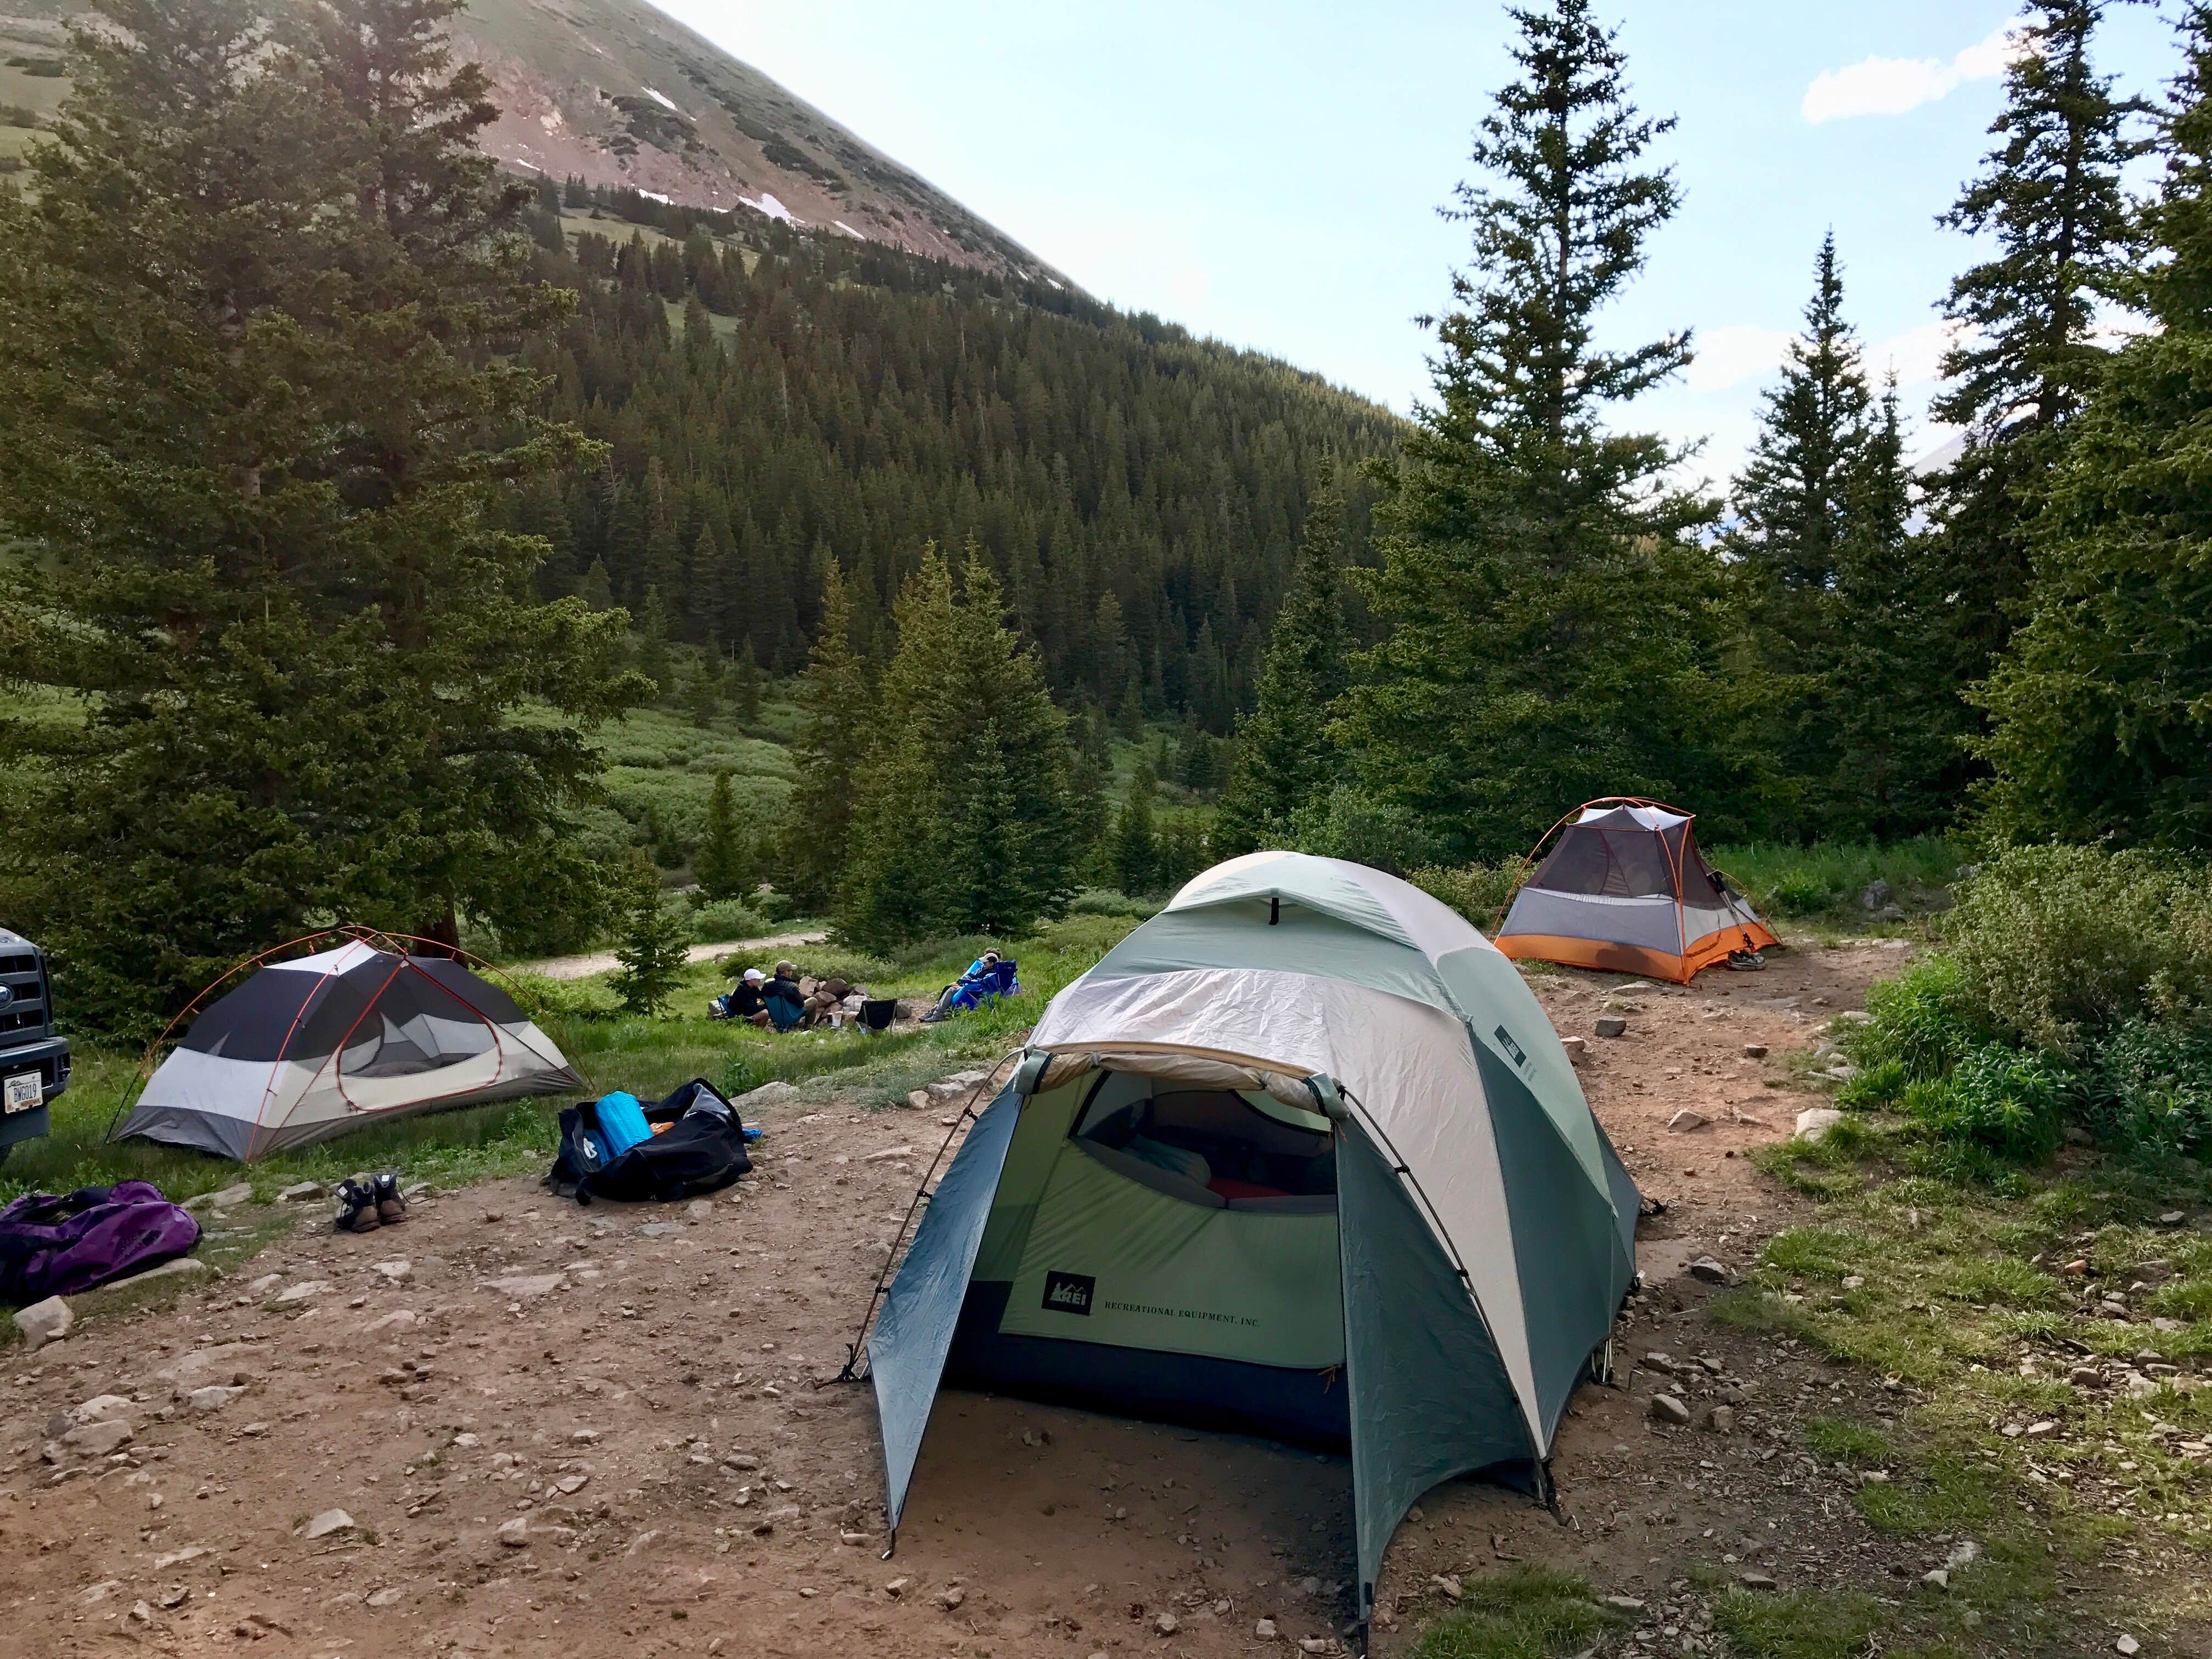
(774, 209)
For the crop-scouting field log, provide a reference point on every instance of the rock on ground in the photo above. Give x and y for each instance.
(45, 1322)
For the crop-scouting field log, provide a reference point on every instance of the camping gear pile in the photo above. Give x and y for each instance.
(59, 1246)
(310, 1048)
(686, 1145)
(1625, 890)
(1301, 1155)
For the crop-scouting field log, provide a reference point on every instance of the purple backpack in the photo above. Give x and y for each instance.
(53, 1246)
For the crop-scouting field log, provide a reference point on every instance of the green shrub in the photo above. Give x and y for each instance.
(1104, 902)
(2002, 1098)
(2058, 945)
(1918, 1026)
(720, 919)
(1827, 879)
(1479, 892)
(1351, 823)
(2150, 1086)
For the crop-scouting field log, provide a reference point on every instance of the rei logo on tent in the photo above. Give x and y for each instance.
(1069, 1293)
(1518, 1054)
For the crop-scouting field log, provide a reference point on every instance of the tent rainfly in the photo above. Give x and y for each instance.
(309, 1048)
(1625, 890)
(1302, 1156)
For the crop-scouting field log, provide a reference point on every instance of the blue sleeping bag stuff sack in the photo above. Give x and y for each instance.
(621, 1123)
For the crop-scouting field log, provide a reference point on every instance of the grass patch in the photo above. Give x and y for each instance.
(1815, 1625)
(2031, 1386)
(1840, 1440)
(1825, 882)
(1528, 1613)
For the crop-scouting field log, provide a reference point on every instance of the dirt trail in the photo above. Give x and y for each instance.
(588, 1431)
(600, 962)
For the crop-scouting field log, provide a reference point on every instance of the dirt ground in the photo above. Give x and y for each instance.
(586, 1431)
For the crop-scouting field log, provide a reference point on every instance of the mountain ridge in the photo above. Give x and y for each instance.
(619, 94)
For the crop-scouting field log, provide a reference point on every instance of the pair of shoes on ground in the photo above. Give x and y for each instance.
(372, 1202)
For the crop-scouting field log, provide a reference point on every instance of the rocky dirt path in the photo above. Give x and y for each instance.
(600, 962)
(512, 1426)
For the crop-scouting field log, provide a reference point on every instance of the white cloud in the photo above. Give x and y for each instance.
(1916, 355)
(1891, 86)
(1730, 355)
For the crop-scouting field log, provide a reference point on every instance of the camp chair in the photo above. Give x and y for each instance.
(876, 1013)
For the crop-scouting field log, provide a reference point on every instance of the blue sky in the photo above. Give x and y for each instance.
(1268, 173)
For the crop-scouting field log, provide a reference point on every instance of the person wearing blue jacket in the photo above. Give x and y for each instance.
(984, 968)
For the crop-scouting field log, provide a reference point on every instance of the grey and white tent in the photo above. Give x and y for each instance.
(1301, 1155)
(306, 1049)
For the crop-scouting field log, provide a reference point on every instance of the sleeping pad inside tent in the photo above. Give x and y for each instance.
(1301, 1157)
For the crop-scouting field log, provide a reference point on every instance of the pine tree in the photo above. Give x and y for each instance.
(724, 863)
(1894, 724)
(1554, 633)
(1136, 836)
(1796, 494)
(1283, 758)
(964, 729)
(2100, 709)
(654, 946)
(2050, 194)
(747, 692)
(268, 568)
(652, 626)
(836, 720)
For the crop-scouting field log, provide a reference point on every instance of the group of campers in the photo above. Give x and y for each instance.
(785, 1001)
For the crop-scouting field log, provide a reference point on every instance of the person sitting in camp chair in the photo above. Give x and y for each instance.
(747, 1002)
(988, 978)
(785, 1001)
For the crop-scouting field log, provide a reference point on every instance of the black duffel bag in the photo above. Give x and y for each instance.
(702, 1151)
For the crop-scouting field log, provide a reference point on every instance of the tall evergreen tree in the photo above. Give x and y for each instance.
(2050, 194)
(963, 819)
(1795, 495)
(1553, 629)
(836, 722)
(724, 864)
(1838, 595)
(1283, 758)
(1890, 712)
(2100, 709)
(265, 570)
(1136, 836)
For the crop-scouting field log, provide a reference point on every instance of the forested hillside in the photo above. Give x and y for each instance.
(1139, 493)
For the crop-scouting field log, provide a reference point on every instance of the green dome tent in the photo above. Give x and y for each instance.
(1301, 1155)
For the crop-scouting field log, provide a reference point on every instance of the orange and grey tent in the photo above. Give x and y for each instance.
(1625, 890)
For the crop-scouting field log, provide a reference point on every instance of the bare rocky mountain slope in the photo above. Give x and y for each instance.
(621, 95)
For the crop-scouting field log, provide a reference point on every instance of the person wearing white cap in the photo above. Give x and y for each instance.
(746, 1002)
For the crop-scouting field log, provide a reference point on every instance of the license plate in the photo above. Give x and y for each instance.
(24, 1090)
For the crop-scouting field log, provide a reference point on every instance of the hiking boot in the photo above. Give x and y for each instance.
(391, 1208)
(357, 1208)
